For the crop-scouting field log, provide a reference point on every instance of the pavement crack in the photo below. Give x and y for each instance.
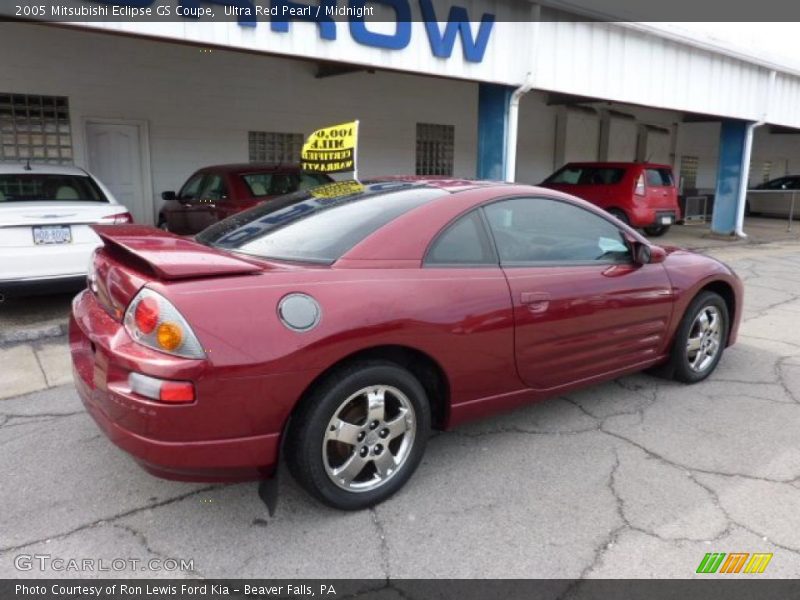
(685, 467)
(111, 519)
(779, 366)
(145, 543)
(384, 544)
(518, 431)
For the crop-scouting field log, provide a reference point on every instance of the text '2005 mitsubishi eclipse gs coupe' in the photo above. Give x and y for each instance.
(338, 325)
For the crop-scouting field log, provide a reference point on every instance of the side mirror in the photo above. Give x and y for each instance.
(642, 254)
(169, 196)
(645, 254)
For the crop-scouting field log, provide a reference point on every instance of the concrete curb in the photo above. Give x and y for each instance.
(33, 334)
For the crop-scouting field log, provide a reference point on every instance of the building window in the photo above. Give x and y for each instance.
(273, 147)
(688, 173)
(35, 128)
(766, 171)
(435, 149)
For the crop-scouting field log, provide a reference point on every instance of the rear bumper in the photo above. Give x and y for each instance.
(225, 435)
(239, 459)
(645, 216)
(47, 261)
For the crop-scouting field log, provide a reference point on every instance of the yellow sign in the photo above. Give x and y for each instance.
(337, 189)
(331, 149)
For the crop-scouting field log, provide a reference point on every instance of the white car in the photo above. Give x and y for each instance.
(45, 235)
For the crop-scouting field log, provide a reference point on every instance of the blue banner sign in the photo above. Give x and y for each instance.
(442, 35)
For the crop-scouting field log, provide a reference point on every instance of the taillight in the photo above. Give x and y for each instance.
(117, 219)
(171, 392)
(153, 321)
(146, 315)
(639, 189)
(91, 273)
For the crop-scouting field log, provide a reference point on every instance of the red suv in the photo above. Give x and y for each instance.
(214, 193)
(642, 195)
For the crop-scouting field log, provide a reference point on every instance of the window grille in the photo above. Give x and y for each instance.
(274, 147)
(689, 172)
(35, 128)
(435, 149)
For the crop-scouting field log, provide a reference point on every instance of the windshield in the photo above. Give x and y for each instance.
(38, 187)
(317, 225)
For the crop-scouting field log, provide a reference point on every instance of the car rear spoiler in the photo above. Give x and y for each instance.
(170, 256)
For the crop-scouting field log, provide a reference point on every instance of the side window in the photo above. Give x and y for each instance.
(543, 230)
(566, 175)
(601, 176)
(463, 243)
(259, 183)
(282, 183)
(191, 188)
(658, 177)
(310, 180)
(214, 188)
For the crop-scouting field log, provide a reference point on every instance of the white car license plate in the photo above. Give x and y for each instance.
(52, 234)
(666, 220)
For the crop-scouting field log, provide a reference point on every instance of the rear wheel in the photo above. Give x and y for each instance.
(359, 436)
(657, 230)
(701, 338)
(619, 214)
(162, 224)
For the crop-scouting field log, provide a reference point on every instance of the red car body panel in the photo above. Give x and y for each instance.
(496, 347)
(641, 210)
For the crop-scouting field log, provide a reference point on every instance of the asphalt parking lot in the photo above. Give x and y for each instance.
(636, 478)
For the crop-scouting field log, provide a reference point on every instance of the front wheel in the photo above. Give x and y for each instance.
(359, 436)
(701, 338)
(657, 230)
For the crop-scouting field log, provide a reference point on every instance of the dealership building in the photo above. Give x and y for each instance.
(514, 93)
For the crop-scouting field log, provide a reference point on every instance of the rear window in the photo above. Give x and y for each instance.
(658, 177)
(318, 225)
(38, 187)
(582, 175)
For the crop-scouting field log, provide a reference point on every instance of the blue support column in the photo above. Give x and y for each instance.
(732, 174)
(493, 103)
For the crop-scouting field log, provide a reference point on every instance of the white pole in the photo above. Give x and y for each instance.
(510, 171)
(748, 148)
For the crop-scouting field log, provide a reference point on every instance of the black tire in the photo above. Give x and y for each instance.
(306, 436)
(680, 363)
(657, 230)
(162, 224)
(619, 214)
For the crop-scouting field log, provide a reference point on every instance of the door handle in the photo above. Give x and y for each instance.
(536, 302)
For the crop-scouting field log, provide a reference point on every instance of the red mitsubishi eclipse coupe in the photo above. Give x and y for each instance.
(338, 325)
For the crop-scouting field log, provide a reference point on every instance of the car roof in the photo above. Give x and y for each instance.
(449, 184)
(236, 168)
(23, 169)
(618, 164)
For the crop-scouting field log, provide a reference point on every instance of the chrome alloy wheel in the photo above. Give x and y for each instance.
(705, 339)
(369, 438)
